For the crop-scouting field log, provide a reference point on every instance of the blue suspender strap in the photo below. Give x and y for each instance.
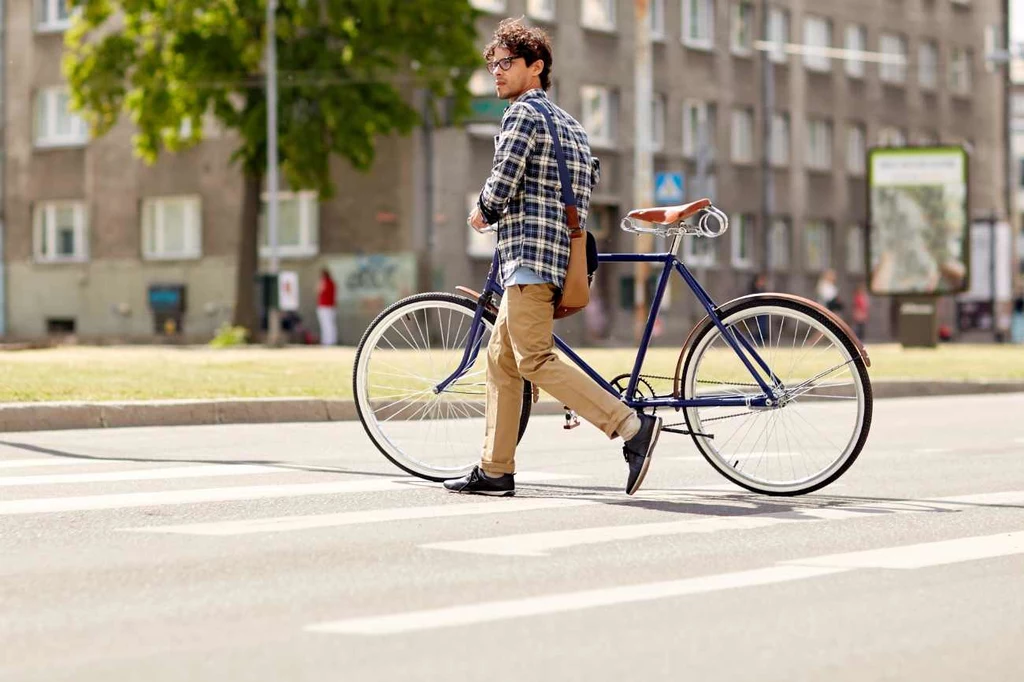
(568, 198)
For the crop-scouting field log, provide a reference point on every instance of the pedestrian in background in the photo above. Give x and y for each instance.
(861, 311)
(759, 285)
(828, 292)
(326, 313)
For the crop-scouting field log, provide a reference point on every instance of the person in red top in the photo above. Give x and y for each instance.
(860, 311)
(325, 311)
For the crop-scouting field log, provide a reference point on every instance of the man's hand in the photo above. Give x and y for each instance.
(476, 220)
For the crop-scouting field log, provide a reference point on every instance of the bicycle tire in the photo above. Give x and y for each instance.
(784, 308)
(364, 402)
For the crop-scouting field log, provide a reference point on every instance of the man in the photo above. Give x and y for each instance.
(522, 196)
(326, 313)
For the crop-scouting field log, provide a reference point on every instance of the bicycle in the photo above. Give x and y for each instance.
(779, 408)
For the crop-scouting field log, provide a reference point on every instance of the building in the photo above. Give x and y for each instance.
(87, 229)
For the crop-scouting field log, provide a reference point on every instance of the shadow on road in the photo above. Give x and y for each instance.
(158, 460)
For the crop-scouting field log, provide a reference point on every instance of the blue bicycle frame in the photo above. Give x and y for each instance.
(743, 348)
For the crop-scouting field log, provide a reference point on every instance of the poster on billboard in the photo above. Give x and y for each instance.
(918, 228)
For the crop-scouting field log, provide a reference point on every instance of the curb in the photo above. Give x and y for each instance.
(86, 415)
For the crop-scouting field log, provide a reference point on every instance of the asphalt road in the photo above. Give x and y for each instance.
(296, 552)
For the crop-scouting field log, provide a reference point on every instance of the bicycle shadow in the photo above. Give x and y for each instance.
(718, 503)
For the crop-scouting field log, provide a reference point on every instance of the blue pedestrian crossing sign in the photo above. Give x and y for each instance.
(668, 188)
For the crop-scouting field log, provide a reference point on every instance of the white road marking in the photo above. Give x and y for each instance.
(923, 555)
(165, 473)
(484, 612)
(542, 543)
(501, 506)
(294, 523)
(906, 557)
(173, 497)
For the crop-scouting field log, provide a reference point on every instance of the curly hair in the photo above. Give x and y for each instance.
(528, 42)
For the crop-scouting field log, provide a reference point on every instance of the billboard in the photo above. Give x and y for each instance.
(918, 230)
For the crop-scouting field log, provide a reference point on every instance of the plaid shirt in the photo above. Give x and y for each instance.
(523, 194)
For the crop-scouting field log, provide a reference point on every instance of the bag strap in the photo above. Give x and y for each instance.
(572, 214)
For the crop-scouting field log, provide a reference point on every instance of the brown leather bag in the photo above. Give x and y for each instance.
(576, 290)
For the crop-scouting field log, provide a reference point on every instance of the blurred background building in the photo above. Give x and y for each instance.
(88, 230)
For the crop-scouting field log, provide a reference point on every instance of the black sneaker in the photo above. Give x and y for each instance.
(476, 482)
(637, 451)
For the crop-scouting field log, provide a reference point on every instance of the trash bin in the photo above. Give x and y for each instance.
(167, 301)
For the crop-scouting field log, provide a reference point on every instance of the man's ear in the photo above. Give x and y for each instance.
(537, 68)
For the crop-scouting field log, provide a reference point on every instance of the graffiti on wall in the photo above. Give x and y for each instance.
(366, 284)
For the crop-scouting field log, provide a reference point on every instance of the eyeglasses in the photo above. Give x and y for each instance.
(505, 64)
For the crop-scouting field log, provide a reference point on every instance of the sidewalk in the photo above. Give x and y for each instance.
(52, 416)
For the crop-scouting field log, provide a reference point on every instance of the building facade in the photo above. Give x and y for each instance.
(88, 229)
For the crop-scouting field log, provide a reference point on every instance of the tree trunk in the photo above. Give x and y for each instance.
(246, 314)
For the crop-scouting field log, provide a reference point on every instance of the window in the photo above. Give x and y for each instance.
(742, 135)
(599, 14)
(489, 5)
(171, 228)
(778, 244)
(742, 229)
(699, 251)
(658, 123)
(894, 69)
(891, 136)
(817, 38)
(298, 225)
(778, 33)
(598, 114)
(960, 70)
(778, 154)
(819, 144)
(818, 245)
(855, 148)
(699, 23)
(855, 249)
(856, 40)
(56, 126)
(742, 28)
(928, 65)
(698, 128)
(541, 9)
(60, 232)
(656, 19)
(52, 15)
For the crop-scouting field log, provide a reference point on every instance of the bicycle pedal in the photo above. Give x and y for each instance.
(572, 420)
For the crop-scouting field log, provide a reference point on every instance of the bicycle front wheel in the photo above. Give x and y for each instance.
(818, 427)
(408, 350)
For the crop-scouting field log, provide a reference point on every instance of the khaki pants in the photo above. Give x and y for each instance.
(522, 347)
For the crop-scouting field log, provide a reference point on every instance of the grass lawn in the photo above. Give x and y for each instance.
(156, 372)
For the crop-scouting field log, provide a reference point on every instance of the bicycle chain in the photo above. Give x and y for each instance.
(719, 383)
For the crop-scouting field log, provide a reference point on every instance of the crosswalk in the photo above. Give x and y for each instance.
(97, 486)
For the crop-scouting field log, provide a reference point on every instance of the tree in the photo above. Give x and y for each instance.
(349, 71)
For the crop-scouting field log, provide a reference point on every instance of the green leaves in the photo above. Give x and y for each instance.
(346, 73)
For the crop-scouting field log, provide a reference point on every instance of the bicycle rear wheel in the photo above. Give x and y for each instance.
(819, 426)
(405, 352)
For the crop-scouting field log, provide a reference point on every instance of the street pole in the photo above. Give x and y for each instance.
(643, 165)
(767, 110)
(274, 313)
(427, 277)
(1011, 204)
